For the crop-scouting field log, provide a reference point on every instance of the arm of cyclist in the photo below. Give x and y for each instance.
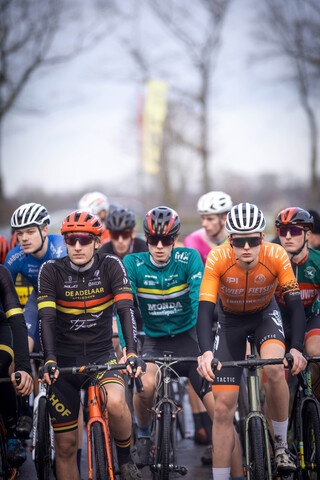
(13, 312)
(298, 326)
(204, 332)
(47, 321)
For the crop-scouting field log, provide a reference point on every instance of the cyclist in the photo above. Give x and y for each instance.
(314, 240)
(166, 281)
(245, 274)
(97, 204)
(295, 227)
(30, 221)
(75, 300)
(13, 346)
(121, 224)
(213, 208)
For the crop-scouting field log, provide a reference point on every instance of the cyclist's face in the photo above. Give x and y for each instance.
(293, 243)
(247, 256)
(30, 238)
(121, 244)
(160, 253)
(213, 224)
(81, 254)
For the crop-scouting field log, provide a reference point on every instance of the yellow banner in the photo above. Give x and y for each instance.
(154, 115)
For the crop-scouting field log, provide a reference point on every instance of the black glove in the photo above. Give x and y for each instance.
(134, 361)
(49, 367)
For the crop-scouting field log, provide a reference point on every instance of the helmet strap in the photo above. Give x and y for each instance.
(42, 241)
(305, 241)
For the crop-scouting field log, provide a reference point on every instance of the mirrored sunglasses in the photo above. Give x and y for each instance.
(240, 242)
(83, 238)
(292, 229)
(155, 239)
(125, 234)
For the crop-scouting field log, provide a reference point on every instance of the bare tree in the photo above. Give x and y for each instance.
(169, 39)
(45, 33)
(291, 31)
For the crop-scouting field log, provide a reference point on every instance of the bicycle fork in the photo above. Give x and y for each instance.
(95, 416)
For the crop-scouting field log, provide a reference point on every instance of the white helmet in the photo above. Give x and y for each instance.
(94, 202)
(214, 203)
(245, 218)
(30, 214)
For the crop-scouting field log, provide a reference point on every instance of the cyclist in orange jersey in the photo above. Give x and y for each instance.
(245, 274)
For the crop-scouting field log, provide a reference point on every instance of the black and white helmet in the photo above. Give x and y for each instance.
(245, 218)
(30, 214)
(214, 203)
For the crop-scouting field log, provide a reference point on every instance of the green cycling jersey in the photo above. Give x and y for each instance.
(307, 273)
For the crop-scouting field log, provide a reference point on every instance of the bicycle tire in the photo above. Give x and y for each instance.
(257, 450)
(99, 457)
(311, 441)
(3, 454)
(165, 442)
(43, 443)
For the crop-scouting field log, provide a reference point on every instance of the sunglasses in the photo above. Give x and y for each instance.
(115, 235)
(293, 230)
(83, 239)
(241, 241)
(154, 240)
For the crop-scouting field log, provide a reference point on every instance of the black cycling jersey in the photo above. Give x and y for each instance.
(12, 309)
(75, 307)
(137, 245)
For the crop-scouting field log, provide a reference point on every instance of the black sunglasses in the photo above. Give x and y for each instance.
(83, 238)
(155, 239)
(240, 242)
(124, 234)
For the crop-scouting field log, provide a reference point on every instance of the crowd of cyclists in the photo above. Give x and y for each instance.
(203, 296)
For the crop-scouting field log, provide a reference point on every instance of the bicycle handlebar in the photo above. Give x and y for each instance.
(169, 359)
(8, 379)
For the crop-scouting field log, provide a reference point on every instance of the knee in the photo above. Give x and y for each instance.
(223, 411)
(66, 445)
(274, 373)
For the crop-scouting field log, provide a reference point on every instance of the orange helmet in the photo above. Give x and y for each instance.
(81, 221)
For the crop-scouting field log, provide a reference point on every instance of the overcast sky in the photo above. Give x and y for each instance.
(81, 129)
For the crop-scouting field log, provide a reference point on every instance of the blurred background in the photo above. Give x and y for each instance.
(157, 102)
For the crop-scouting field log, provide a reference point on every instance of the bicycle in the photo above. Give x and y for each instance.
(6, 471)
(102, 462)
(257, 437)
(304, 423)
(165, 413)
(42, 452)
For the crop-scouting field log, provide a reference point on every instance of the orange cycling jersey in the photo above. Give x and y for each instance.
(241, 291)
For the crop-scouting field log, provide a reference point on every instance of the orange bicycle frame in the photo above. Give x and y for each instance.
(95, 415)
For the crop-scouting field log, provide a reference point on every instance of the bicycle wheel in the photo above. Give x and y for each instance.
(165, 442)
(3, 453)
(43, 441)
(311, 441)
(258, 465)
(99, 455)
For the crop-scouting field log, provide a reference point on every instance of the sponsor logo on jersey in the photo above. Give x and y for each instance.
(164, 308)
(232, 280)
(182, 256)
(309, 272)
(260, 279)
(82, 293)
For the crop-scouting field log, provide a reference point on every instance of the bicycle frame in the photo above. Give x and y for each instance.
(43, 392)
(96, 416)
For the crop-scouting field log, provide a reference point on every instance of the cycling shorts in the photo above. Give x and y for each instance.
(230, 341)
(31, 317)
(180, 345)
(312, 328)
(64, 395)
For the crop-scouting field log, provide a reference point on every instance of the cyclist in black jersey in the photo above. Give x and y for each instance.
(121, 224)
(13, 346)
(76, 295)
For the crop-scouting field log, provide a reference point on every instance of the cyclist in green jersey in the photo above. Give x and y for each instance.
(295, 227)
(166, 282)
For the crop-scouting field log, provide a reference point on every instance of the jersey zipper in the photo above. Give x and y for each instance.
(245, 293)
